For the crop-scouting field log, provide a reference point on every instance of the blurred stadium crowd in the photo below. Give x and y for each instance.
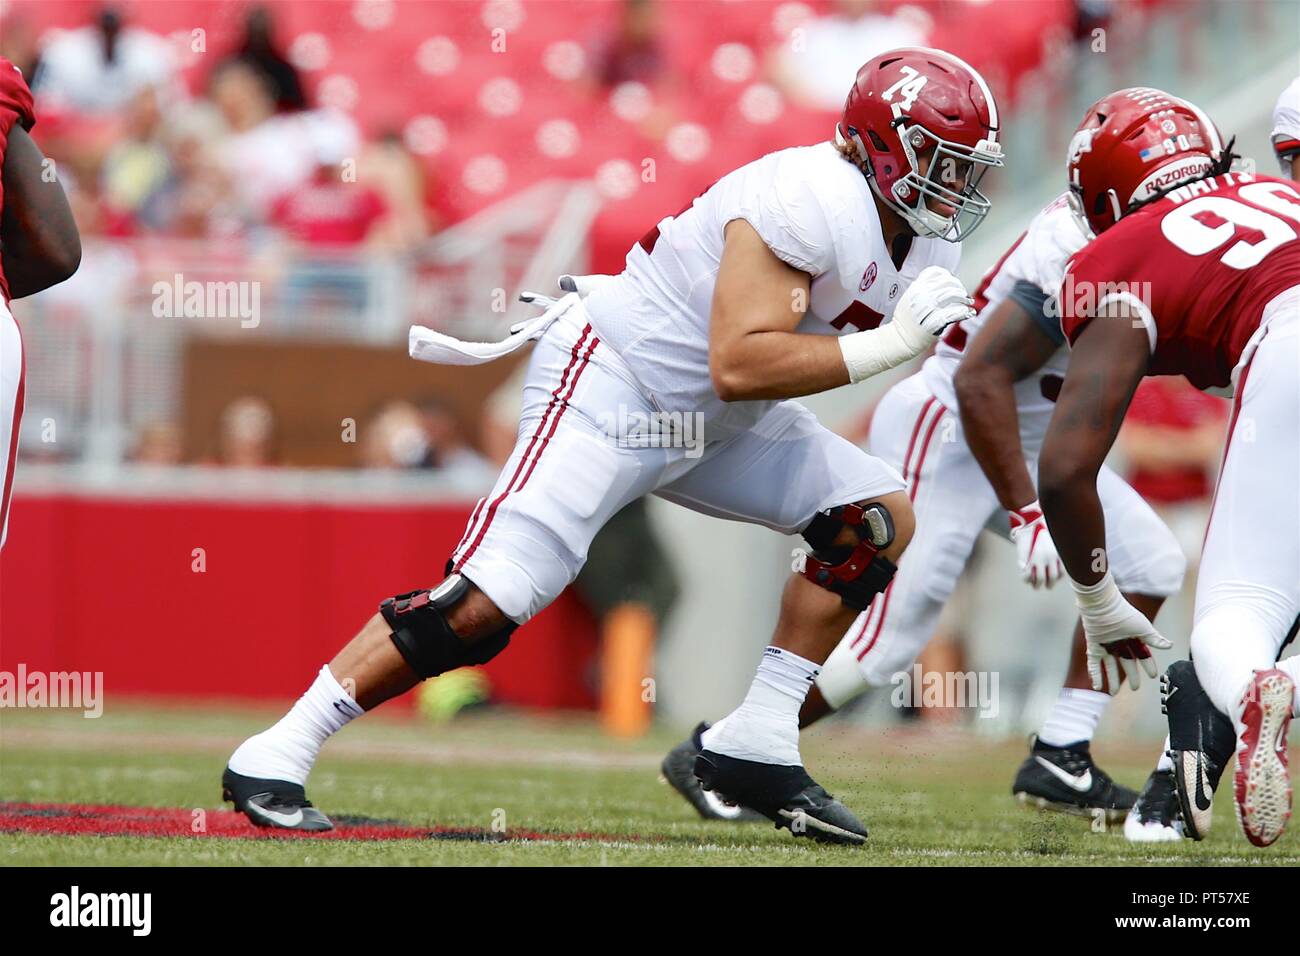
(317, 148)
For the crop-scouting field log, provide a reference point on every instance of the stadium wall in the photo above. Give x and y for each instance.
(115, 584)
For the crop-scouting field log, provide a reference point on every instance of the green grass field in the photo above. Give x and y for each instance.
(930, 797)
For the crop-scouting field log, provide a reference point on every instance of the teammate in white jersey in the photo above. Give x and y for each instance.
(777, 282)
(973, 469)
(1286, 130)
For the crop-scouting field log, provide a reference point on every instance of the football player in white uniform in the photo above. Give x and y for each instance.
(808, 269)
(1286, 130)
(965, 432)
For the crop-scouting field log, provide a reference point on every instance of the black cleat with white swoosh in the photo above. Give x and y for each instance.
(1201, 744)
(786, 795)
(1066, 779)
(277, 804)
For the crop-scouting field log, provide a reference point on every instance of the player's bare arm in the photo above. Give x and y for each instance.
(39, 244)
(754, 350)
(758, 300)
(1107, 361)
(1009, 347)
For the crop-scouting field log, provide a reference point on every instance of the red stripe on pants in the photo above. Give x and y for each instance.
(911, 496)
(557, 403)
(907, 460)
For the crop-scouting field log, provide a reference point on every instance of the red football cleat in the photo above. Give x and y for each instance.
(1262, 783)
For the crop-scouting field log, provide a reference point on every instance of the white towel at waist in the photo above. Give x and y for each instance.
(442, 349)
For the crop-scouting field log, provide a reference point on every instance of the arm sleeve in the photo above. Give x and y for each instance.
(1094, 278)
(1040, 307)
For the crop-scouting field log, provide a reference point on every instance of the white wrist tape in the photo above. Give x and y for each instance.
(1100, 597)
(877, 350)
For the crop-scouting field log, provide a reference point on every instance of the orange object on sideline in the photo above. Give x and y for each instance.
(626, 655)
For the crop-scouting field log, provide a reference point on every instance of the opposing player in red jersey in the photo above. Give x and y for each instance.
(1195, 271)
(39, 247)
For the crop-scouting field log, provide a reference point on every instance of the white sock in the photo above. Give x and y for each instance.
(1074, 716)
(1165, 763)
(1291, 668)
(288, 750)
(765, 727)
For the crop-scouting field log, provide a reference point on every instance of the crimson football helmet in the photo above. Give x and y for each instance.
(1134, 145)
(925, 124)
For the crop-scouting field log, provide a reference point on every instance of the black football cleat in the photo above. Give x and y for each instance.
(1201, 745)
(1156, 817)
(785, 795)
(1066, 779)
(277, 804)
(678, 771)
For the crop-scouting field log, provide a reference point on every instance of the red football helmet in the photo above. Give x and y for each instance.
(926, 125)
(1132, 146)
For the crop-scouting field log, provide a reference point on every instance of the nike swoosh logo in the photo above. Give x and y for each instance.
(1203, 802)
(1081, 783)
(283, 819)
(343, 709)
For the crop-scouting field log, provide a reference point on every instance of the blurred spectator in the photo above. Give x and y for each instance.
(817, 66)
(395, 438)
(389, 167)
(329, 213)
(259, 50)
(159, 443)
(247, 434)
(267, 154)
(138, 165)
(193, 201)
(403, 435)
(634, 52)
(449, 451)
(330, 209)
(99, 69)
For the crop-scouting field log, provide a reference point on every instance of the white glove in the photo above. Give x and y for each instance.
(935, 300)
(1118, 635)
(1040, 565)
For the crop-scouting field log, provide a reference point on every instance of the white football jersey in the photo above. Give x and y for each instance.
(815, 211)
(1037, 257)
(1286, 116)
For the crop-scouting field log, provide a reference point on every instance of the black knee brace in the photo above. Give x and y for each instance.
(857, 573)
(425, 639)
